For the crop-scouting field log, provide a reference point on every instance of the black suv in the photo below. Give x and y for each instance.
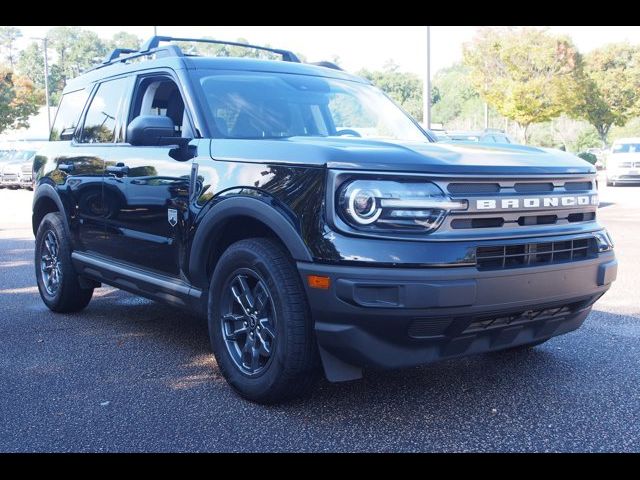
(311, 220)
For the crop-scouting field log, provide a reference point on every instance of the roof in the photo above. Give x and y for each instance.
(209, 63)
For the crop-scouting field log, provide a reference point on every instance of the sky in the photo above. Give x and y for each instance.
(360, 47)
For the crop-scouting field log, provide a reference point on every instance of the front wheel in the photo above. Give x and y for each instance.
(259, 323)
(58, 281)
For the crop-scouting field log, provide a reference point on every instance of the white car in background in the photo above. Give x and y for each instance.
(623, 161)
(16, 168)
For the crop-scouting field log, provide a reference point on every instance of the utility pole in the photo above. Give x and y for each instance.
(155, 31)
(486, 115)
(46, 77)
(426, 89)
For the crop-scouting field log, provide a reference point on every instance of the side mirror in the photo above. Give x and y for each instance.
(150, 130)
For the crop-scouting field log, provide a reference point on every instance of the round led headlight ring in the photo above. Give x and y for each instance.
(363, 206)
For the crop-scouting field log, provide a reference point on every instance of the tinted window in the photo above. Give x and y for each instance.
(68, 113)
(100, 121)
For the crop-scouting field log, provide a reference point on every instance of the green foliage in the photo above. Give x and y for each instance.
(76, 50)
(630, 129)
(527, 75)
(8, 37)
(609, 92)
(31, 65)
(124, 40)
(18, 100)
(589, 157)
(587, 138)
(453, 95)
(404, 88)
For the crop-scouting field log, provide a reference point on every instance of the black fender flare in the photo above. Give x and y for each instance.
(45, 190)
(259, 210)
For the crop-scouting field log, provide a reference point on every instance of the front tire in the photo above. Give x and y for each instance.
(259, 323)
(58, 281)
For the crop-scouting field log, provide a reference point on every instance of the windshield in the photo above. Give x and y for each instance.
(625, 148)
(22, 155)
(264, 105)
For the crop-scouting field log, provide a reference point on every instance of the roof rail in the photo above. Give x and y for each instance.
(326, 64)
(154, 42)
(124, 54)
(115, 53)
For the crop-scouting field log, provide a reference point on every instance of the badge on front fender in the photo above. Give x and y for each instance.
(172, 216)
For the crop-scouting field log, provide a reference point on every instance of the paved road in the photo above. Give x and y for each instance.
(132, 375)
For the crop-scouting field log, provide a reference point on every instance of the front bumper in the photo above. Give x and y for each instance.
(622, 175)
(401, 317)
(10, 181)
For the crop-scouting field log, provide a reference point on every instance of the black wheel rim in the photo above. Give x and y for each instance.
(248, 321)
(50, 266)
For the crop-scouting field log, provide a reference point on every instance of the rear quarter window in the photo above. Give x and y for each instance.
(68, 114)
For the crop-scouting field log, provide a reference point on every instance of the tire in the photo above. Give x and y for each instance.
(259, 272)
(67, 296)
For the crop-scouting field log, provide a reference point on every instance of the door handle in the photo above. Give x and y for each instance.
(119, 169)
(65, 167)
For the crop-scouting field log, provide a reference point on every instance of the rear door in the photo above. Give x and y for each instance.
(97, 141)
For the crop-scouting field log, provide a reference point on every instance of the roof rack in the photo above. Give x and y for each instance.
(152, 46)
(154, 42)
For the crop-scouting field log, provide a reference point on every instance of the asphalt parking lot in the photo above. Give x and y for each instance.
(128, 374)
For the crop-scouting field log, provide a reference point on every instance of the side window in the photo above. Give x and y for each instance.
(68, 115)
(161, 96)
(100, 121)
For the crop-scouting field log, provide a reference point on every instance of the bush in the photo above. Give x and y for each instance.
(589, 157)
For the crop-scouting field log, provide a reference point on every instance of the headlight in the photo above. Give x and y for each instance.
(383, 205)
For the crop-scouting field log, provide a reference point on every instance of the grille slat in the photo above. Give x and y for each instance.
(532, 254)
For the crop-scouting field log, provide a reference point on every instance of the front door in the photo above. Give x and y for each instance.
(146, 229)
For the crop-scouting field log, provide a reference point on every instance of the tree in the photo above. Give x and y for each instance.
(609, 87)
(405, 88)
(76, 51)
(456, 96)
(31, 65)
(18, 100)
(527, 75)
(125, 40)
(8, 37)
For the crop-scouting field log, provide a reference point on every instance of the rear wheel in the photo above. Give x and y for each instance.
(58, 281)
(259, 323)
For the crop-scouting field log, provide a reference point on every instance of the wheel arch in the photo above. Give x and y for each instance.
(46, 200)
(236, 218)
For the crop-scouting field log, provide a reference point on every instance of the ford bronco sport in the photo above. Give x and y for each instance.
(313, 222)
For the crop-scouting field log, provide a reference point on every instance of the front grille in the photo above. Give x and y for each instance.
(497, 321)
(497, 219)
(629, 164)
(477, 188)
(454, 326)
(532, 254)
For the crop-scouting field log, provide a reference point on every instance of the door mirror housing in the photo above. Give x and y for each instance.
(151, 131)
(155, 131)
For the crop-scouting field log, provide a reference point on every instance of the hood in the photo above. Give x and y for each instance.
(624, 157)
(418, 157)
